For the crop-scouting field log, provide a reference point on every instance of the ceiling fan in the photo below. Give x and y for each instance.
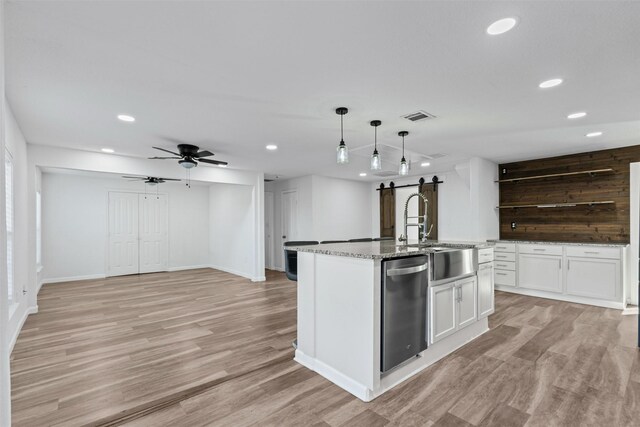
(189, 156)
(151, 180)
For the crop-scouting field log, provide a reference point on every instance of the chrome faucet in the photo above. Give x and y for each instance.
(425, 234)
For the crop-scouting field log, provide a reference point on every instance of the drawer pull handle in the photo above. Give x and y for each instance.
(501, 274)
(592, 252)
(540, 250)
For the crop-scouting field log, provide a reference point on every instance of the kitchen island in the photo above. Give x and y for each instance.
(341, 290)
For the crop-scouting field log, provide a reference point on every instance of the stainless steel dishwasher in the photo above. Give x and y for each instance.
(404, 309)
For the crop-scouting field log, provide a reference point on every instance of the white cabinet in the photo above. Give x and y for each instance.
(505, 264)
(452, 306)
(540, 272)
(485, 290)
(594, 278)
(442, 308)
(467, 301)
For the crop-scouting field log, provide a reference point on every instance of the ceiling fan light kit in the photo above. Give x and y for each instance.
(188, 157)
(342, 150)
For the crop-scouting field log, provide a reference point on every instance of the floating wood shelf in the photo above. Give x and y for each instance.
(555, 175)
(557, 205)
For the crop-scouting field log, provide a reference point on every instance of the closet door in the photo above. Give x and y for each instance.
(123, 234)
(154, 233)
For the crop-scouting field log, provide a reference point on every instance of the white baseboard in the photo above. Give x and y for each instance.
(189, 267)
(561, 297)
(628, 311)
(73, 278)
(14, 338)
(238, 273)
(360, 391)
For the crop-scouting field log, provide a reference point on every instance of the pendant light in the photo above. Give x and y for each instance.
(376, 164)
(404, 166)
(343, 152)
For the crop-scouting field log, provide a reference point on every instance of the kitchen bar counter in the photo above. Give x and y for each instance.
(340, 312)
(538, 242)
(383, 250)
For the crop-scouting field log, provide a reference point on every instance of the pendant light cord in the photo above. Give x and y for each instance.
(375, 139)
(403, 146)
(341, 128)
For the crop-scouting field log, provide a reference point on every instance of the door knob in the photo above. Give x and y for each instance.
(284, 237)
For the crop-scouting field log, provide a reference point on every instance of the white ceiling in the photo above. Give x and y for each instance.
(234, 76)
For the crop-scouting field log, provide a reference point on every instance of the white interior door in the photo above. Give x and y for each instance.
(268, 229)
(123, 234)
(289, 219)
(154, 233)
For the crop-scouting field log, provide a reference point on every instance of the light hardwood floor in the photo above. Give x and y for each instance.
(204, 347)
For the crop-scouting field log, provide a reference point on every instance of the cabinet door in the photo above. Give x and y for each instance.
(595, 278)
(485, 290)
(540, 272)
(442, 309)
(467, 301)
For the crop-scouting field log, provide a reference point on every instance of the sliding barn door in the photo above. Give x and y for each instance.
(387, 212)
(432, 210)
(154, 233)
(123, 234)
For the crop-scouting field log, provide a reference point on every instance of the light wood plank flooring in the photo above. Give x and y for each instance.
(204, 347)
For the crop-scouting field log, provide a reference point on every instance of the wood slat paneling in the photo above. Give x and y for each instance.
(605, 223)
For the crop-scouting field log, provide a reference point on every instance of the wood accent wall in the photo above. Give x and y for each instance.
(604, 223)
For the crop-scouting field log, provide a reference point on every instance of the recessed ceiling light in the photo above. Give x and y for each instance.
(108, 150)
(501, 26)
(126, 118)
(425, 164)
(592, 134)
(550, 83)
(363, 174)
(576, 115)
(272, 147)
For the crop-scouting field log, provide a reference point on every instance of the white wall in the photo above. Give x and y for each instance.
(74, 224)
(22, 263)
(466, 202)
(232, 235)
(5, 376)
(328, 209)
(340, 209)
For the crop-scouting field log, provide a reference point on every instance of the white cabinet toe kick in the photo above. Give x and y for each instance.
(586, 274)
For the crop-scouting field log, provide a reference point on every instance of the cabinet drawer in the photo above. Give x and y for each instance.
(505, 265)
(593, 252)
(540, 249)
(504, 256)
(485, 255)
(504, 277)
(505, 247)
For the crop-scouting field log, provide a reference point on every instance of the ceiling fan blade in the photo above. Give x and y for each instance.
(167, 151)
(169, 179)
(134, 177)
(213, 162)
(178, 158)
(204, 153)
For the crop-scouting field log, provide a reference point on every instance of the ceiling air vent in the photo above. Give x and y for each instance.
(419, 115)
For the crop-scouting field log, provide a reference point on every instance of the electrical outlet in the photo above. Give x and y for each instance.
(514, 225)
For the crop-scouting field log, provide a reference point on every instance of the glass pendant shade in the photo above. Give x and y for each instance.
(343, 153)
(404, 167)
(376, 164)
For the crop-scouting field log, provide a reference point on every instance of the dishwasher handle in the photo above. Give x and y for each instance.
(407, 270)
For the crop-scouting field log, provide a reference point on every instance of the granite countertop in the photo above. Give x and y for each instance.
(381, 250)
(537, 242)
